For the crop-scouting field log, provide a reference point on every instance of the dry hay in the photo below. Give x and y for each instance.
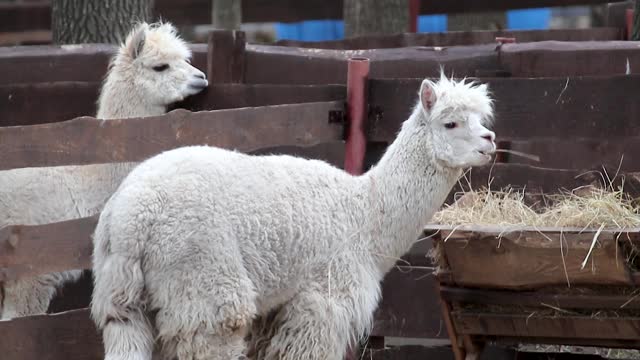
(585, 207)
(588, 207)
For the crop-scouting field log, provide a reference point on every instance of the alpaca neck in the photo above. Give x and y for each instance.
(407, 187)
(119, 100)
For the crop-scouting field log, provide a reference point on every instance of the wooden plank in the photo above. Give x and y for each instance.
(584, 327)
(70, 335)
(409, 305)
(276, 64)
(36, 103)
(528, 260)
(51, 63)
(89, 141)
(457, 38)
(25, 16)
(225, 57)
(577, 153)
(26, 251)
(33, 37)
(561, 58)
(587, 107)
(580, 299)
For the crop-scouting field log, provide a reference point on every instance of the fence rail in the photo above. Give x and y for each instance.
(265, 64)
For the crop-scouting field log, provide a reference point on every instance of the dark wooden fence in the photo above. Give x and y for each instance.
(573, 113)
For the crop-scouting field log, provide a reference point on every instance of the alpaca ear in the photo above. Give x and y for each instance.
(427, 95)
(136, 44)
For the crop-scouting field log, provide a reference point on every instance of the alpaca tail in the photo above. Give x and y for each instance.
(117, 305)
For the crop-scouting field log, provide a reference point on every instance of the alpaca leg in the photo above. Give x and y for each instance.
(311, 326)
(210, 304)
(32, 296)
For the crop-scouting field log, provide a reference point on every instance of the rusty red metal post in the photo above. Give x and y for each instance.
(629, 22)
(414, 9)
(356, 142)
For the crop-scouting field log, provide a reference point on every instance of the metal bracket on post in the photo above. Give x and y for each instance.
(356, 142)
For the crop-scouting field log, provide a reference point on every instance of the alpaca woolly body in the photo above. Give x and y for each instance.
(208, 239)
(35, 196)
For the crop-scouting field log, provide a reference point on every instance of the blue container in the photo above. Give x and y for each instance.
(529, 19)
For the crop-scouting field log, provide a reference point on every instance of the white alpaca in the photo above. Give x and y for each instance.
(199, 241)
(150, 71)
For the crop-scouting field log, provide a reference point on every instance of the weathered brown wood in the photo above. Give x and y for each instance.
(409, 305)
(578, 300)
(48, 63)
(584, 327)
(26, 251)
(527, 260)
(33, 37)
(225, 58)
(458, 38)
(592, 107)
(33, 15)
(275, 64)
(30, 104)
(560, 58)
(104, 141)
(577, 153)
(70, 335)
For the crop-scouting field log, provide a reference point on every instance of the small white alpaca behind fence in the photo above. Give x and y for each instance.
(208, 239)
(150, 71)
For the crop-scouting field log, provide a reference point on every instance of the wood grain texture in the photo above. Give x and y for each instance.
(582, 327)
(26, 251)
(579, 299)
(410, 306)
(561, 58)
(37, 103)
(585, 107)
(90, 141)
(527, 260)
(70, 336)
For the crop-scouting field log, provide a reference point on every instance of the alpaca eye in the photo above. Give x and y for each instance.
(450, 125)
(160, 68)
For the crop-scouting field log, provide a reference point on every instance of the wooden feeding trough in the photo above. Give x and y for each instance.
(528, 285)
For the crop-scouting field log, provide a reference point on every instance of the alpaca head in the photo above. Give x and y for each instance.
(152, 70)
(455, 116)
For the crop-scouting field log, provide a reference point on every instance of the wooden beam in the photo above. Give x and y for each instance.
(26, 251)
(576, 300)
(528, 260)
(562, 59)
(226, 57)
(70, 336)
(585, 107)
(104, 141)
(457, 38)
(409, 306)
(36, 103)
(582, 327)
(284, 65)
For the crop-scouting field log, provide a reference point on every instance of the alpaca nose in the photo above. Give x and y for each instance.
(201, 75)
(490, 136)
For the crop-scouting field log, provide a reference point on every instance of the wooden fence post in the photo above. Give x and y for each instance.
(356, 144)
(226, 56)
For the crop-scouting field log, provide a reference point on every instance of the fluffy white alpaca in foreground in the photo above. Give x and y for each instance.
(208, 239)
(150, 71)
